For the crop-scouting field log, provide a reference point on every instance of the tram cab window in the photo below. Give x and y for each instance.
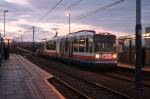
(75, 45)
(104, 43)
(104, 47)
(81, 45)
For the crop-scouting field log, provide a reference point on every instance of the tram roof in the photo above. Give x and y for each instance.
(81, 33)
(78, 34)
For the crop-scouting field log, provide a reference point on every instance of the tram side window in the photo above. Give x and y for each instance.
(87, 45)
(81, 45)
(54, 46)
(63, 46)
(91, 45)
(66, 46)
(47, 46)
(75, 45)
(60, 46)
(50, 45)
(42, 46)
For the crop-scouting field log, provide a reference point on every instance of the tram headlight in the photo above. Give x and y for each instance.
(114, 55)
(97, 56)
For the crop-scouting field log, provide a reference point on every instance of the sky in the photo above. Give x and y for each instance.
(22, 15)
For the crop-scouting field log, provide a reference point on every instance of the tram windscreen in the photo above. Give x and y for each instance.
(104, 43)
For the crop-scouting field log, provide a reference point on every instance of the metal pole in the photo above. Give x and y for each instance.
(1, 49)
(33, 41)
(4, 23)
(138, 31)
(4, 20)
(69, 22)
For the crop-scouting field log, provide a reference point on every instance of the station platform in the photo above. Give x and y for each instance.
(20, 79)
(132, 66)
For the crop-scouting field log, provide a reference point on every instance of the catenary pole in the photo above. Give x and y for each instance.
(138, 30)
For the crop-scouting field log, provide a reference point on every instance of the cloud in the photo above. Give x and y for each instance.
(19, 2)
(23, 14)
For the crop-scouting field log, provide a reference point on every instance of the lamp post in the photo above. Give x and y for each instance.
(68, 15)
(4, 20)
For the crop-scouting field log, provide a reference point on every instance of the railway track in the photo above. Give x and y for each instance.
(60, 70)
(105, 90)
(55, 81)
(127, 77)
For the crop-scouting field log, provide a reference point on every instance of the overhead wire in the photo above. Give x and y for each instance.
(48, 12)
(89, 13)
(86, 14)
(70, 7)
(82, 16)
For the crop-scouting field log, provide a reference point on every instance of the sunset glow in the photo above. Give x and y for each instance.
(23, 14)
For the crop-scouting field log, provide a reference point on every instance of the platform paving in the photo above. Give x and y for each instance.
(132, 66)
(20, 79)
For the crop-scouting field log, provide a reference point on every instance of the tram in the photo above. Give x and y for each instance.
(84, 46)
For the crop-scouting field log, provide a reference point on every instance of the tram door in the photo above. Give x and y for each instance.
(70, 48)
